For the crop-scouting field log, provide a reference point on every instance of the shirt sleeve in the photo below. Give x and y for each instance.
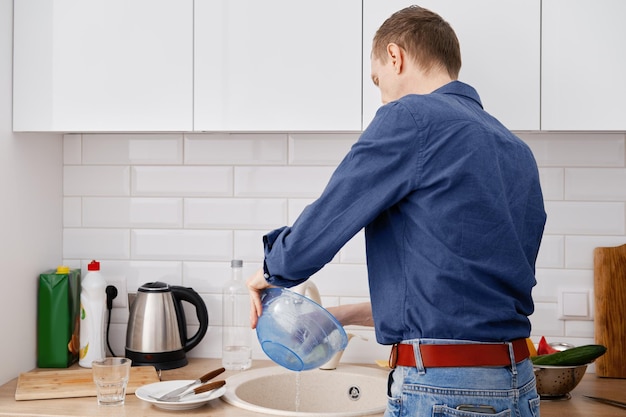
(381, 168)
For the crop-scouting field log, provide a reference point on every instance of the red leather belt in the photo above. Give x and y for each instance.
(457, 355)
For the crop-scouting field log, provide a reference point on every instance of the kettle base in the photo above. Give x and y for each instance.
(160, 360)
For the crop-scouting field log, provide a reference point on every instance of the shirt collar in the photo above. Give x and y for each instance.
(460, 89)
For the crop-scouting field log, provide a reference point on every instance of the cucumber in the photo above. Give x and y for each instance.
(580, 355)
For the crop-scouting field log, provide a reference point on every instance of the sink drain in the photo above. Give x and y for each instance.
(354, 393)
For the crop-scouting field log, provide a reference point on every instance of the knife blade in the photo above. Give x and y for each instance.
(204, 378)
(201, 389)
(607, 401)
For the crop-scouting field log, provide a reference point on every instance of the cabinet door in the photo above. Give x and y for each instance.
(103, 65)
(500, 41)
(583, 65)
(277, 65)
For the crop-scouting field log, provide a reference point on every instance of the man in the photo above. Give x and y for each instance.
(453, 215)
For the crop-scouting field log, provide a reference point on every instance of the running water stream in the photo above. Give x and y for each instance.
(297, 399)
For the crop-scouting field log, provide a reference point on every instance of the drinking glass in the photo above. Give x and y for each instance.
(111, 378)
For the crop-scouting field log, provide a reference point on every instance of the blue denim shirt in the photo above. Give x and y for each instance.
(453, 215)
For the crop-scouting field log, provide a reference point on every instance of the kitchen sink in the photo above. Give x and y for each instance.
(346, 391)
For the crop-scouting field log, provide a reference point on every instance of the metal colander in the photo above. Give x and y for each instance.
(557, 381)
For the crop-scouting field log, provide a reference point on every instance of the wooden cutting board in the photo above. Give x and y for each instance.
(70, 383)
(610, 310)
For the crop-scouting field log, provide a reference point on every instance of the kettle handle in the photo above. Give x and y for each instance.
(188, 294)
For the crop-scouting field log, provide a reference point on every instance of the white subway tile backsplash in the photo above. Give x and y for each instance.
(236, 149)
(90, 180)
(117, 337)
(579, 249)
(585, 218)
(552, 183)
(132, 149)
(249, 245)
(142, 272)
(235, 213)
(192, 245)
(210, 346)
(552, 252)
(178, 207)
(214, 307)
(96, 243)
(132, 212)
(72, 207)
(577, 149)
(72, 149)
(281, 181)
(551, 281)
(595, 184)
(155, 181)
(207, 277)
(544, 320)
(319, 148)
(580, 329)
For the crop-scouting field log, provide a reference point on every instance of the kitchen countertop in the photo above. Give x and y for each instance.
(577, 406)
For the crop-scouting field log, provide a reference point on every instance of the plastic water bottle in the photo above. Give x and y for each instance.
(236, 332)
(92, 307)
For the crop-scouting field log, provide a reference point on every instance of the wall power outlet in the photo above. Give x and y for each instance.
(119, 282)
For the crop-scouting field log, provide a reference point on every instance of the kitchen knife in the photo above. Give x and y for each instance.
(607, 401)
(172, 395)
(210, 386)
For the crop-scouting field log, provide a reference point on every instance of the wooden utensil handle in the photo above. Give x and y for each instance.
(209, 387)
(210, 375)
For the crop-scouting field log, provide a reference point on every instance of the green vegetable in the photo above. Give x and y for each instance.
(580, 355)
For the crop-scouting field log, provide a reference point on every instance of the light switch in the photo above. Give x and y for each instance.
(575, 305)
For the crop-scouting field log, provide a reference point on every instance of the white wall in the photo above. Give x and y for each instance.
(30, 219)
(178, 207)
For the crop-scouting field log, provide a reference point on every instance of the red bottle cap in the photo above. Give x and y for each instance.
(93, 266)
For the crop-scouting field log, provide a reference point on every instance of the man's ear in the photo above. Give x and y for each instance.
(396, 55)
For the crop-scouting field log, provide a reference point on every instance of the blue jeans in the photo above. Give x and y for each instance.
(437, 392)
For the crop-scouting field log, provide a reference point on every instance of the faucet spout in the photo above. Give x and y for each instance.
(308, 289)
(334, 361)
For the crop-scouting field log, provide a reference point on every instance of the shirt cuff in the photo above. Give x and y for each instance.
(276, 280)
(266, 272)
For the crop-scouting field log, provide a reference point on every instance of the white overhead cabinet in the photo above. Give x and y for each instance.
(277, 65)
(583, 65)
(103, 65)
(295, 65)
(500, 49)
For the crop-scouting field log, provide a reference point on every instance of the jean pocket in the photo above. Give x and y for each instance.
(445, 411)
(534, 406)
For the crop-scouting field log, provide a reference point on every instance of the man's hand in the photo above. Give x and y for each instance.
(256, 284)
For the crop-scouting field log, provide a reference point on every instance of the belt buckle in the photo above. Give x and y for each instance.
(393, 356)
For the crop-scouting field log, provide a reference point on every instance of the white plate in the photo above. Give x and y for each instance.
(157, 389)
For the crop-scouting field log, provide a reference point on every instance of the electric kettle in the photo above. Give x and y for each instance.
(157, 329)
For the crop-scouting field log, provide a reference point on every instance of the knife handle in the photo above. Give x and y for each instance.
(209, 387)
(210, 375)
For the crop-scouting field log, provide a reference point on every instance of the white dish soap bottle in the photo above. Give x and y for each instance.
(92, 306)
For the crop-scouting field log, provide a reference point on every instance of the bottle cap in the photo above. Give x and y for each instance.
(236, 263)
(93, 266)
(62, 269)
